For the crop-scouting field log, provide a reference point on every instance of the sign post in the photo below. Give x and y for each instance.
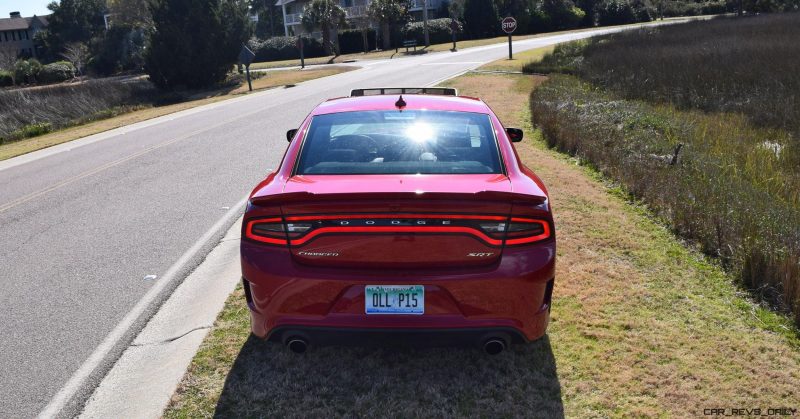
(246, 57)
(509, 25)
(302, 57)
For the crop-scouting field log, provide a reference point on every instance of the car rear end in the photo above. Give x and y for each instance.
(399, 225)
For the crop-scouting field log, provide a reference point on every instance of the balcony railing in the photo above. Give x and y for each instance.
(418, 4)
(355, 11)
(294, 18)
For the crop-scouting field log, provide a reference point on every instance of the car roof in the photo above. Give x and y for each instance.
(413, 102)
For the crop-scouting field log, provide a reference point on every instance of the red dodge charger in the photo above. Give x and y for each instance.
(400, 216)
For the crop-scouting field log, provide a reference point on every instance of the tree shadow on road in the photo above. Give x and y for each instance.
(269, 381)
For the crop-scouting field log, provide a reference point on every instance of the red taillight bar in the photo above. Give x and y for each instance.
(397, 229)
(248, 231)
(524, 240)
(355, 216)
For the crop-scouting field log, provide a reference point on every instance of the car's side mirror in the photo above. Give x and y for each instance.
(290, 134)
(515, 134)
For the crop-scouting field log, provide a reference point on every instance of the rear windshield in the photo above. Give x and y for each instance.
(394, 142)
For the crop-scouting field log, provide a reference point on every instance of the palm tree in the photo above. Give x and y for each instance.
(388, 13)
(325, 15)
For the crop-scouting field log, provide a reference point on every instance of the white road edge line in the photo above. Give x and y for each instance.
(69, 400)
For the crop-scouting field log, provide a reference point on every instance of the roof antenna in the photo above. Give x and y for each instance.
(400, 103)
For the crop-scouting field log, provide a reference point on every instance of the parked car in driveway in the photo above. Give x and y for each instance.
(400, 216)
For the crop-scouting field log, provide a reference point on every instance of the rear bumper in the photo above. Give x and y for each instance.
(326, 306)
(511, 296)
(394, 337)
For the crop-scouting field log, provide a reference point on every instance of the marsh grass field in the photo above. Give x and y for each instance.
(701, 121)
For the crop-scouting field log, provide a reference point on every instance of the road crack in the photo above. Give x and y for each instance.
(172, 339)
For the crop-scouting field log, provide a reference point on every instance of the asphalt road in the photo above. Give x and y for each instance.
(83, 225)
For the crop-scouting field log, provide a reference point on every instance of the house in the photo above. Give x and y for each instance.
(354, 9)
(17, 32)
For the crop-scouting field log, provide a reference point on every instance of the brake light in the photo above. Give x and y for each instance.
(526, 230)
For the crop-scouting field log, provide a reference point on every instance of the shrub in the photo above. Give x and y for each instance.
(691, 8)
(561, 14)
(284, 48)
(27, 70)
(352, 40)
(614, 12)
(6, 79)
(438, 31)
(34, 130)
(713, 8)
(56, 72)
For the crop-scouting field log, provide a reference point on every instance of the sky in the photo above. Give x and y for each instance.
(26, 7)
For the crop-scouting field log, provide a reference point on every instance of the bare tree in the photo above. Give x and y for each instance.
(77, 54)
(8, 57)
(131, 12)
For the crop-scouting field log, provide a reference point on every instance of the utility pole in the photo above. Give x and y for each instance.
(425, 22)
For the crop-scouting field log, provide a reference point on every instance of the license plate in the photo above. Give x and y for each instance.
(394, 299)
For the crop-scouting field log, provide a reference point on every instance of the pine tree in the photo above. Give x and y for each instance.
(195, 43)
(481, 19)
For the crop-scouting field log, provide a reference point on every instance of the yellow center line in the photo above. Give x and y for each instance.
(109, 165)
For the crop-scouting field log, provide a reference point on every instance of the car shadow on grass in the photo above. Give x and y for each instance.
(267, 380)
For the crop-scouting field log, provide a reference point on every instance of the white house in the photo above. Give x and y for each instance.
(293, 11)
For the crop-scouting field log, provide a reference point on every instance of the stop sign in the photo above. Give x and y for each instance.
(509, 25)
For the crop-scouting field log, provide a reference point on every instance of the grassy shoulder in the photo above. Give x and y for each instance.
(122, 116)
(518, 61)
(641, 326)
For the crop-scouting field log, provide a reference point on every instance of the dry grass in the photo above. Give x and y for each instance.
(641, 326)
(290, 77)
(269, 80)
(519, 61)
(747, 66)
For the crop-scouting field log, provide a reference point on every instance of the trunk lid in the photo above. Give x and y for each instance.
(396, 221)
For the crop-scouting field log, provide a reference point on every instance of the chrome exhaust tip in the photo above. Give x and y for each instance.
(297, 345)
(494, 346)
